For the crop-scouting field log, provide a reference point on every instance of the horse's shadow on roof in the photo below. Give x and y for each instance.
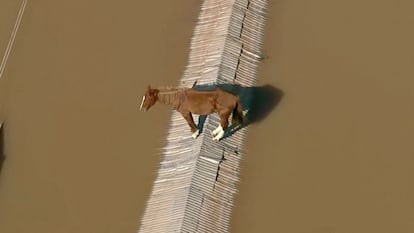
(258, 101)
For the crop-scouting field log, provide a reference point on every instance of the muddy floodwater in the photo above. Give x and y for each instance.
(336, 154)
(79, 157)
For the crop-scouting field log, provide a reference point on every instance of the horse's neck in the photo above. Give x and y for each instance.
(169, 97)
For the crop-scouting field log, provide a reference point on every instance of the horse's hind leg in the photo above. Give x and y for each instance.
(224, 123)
(189, 118)
(216, 130)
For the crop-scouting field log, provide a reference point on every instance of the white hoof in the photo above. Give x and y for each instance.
(217, 130)
(219, 135)
(195, 134)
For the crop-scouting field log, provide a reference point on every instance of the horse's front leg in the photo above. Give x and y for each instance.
(224, 123)
(189, 118)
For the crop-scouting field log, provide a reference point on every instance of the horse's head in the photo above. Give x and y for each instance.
(149, 98)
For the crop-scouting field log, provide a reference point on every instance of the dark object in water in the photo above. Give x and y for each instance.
(1, 146)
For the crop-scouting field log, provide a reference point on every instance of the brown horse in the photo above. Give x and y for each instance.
(189, 101)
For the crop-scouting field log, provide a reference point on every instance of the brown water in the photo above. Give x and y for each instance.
(337, 154)
(79, 156)
(334, 156)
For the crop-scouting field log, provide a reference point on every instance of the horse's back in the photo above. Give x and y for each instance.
(199, 102)
(204, 101)
(226, 98)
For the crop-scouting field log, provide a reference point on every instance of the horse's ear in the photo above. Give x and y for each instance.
(149, 87)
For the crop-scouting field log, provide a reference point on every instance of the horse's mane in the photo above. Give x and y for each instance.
(171, 95)
(170, 88)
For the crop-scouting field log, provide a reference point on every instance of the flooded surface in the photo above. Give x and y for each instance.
(334, 156)
(79, 156)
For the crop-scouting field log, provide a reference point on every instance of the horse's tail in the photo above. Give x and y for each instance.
(237, 118)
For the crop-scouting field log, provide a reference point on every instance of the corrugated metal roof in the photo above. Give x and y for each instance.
(197, 179)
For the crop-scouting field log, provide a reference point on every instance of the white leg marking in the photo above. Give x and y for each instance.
(219, 135)
(218, 129)
(195, 134)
